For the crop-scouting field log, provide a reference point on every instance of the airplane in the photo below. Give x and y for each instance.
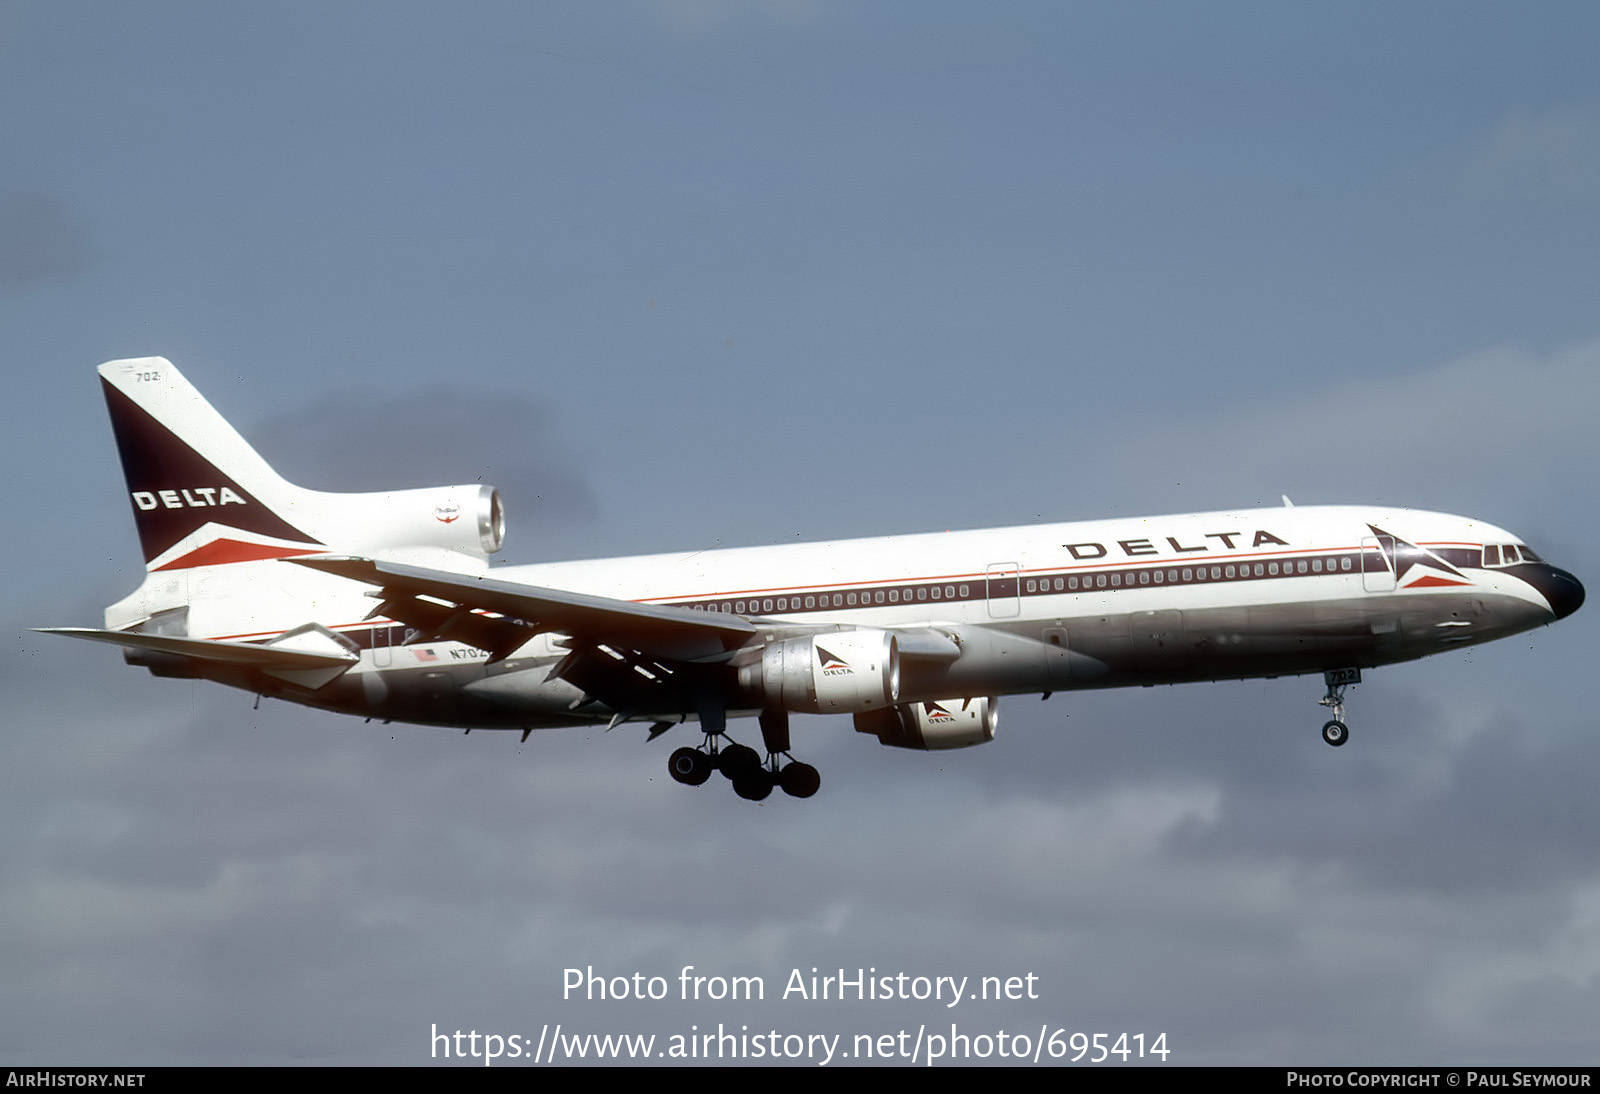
(384, 605)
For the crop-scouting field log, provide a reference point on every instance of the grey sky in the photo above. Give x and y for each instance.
(649, 266)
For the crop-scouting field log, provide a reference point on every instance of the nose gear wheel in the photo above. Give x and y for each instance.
(1335, 731)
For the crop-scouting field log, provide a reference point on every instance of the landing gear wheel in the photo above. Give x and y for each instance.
(753, 785)
(735, 760)
(1336, 732)
(799, 780)
(690, 766)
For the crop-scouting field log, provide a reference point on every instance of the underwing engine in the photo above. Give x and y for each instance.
(841, 672)
(932, 726)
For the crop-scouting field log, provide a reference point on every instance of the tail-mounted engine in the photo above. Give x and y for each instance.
(945, 723)
(841, 672)
(467, 520)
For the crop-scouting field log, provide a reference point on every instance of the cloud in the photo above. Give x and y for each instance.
(1505, 427)
(1549, 158)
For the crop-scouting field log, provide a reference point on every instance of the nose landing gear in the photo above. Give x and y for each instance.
(1336, 732)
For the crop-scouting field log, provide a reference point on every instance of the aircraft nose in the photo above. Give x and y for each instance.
(1563, 591)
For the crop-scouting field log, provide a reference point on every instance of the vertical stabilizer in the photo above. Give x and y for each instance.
(201, 495)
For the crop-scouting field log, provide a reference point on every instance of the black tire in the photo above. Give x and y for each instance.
(799, 780)
(737, 759)
(753, 785)
(1336, 733)
(689, 766)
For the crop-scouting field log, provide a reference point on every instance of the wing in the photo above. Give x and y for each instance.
(499, 616)
(630, 657)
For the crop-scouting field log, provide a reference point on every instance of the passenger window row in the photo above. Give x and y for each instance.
(1007, 586)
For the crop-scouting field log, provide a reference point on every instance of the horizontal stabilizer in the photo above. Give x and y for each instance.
(247, 654)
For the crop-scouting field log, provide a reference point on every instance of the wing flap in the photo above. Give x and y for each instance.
(435, 622)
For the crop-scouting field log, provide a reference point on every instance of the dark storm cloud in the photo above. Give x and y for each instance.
(38, 241)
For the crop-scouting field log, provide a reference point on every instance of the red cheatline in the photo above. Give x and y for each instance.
(219, 552)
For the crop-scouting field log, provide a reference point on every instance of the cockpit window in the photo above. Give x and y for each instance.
(1507, 554)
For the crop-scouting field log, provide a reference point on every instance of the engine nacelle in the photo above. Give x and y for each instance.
(932, 726)
(463, 520)
(841, 672)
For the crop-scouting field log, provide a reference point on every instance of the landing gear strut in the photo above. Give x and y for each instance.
(798, 780)
(1335, 732)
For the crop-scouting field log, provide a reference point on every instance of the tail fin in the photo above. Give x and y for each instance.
(201, 496)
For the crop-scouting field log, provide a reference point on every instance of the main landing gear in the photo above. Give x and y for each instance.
(753, 778)
(1335, 732)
